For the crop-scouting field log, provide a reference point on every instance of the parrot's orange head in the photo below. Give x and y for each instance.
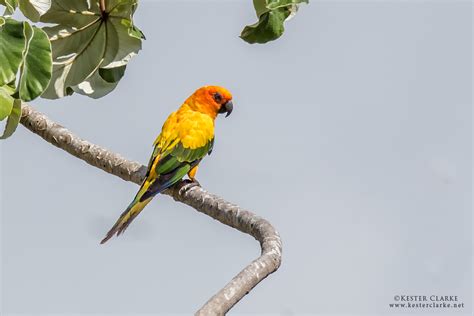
(211, 100)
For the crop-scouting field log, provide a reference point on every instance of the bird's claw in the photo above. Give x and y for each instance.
(187, 184)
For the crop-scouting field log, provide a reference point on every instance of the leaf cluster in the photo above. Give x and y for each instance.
(271, 15)
(84, 46)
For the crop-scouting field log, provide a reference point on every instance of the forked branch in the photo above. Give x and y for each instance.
(196, 197)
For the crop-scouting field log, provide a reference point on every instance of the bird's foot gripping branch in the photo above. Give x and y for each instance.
(194, 196)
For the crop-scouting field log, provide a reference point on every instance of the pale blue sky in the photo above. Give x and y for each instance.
(351, 134)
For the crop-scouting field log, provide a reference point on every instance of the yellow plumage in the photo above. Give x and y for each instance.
(193, 129)
(186, 137)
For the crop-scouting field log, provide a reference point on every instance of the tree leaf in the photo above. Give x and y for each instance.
(268, 28)
(13, 120)
(24, 50)
(101, 82)
(260, 7)
(34, 9)
(271, 17)
(9, 88)
(37, 65)
(86, 39)
(123, 43)
(10, 6)
(6, 103)
(87, 49)
(112, 75)
(275, 4)
(12, 44)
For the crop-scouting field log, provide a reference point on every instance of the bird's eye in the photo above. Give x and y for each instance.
(218, 97)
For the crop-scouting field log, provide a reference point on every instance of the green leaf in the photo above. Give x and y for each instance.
(85, 40)
(12, 44)
(13, 120)
(6, 103)
(10, 6)
(112, 75)
(34, 9)
(9, 88)
(37, 65)
(25, 51)
(268, 28)
(275, 4)
(101, 82)
(271, 17)
(260, 7)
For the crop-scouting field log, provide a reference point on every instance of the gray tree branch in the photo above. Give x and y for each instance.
(196, 197)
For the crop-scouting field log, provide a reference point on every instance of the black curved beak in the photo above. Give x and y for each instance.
(226, 108)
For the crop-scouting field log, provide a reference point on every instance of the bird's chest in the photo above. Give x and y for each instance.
(195, 129)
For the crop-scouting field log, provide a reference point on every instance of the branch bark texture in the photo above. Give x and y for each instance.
(196, 197)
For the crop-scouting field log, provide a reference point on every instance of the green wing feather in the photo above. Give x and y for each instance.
(170, 160)
(173, 165)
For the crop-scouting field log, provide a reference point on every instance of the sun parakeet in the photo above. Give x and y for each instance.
(186, 137)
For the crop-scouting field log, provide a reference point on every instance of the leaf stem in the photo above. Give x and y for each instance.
(102, 7)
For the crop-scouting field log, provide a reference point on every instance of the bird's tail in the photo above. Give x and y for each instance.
(137, 205)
